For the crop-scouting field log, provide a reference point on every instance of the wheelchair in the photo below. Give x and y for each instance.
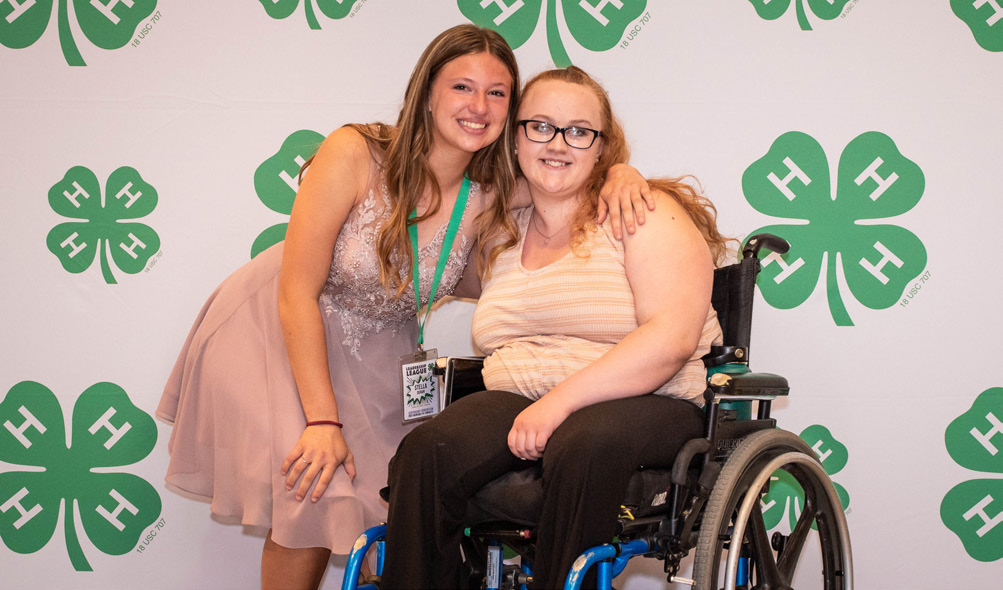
(709, 502)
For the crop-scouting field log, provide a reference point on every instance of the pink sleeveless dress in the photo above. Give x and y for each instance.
(234, 403)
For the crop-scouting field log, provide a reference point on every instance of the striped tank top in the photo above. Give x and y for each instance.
(541, 326)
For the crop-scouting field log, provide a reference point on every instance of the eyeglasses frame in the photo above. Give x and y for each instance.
(558, 131)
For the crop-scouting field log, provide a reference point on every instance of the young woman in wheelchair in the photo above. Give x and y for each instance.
(594, 352)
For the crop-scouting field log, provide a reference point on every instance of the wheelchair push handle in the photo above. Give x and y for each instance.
(769, 241)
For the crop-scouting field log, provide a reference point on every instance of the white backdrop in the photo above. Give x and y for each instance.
(190, 98)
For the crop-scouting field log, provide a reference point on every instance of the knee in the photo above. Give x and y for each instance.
(587, 442)
(422, 441)
(577, 451)
(587, 432)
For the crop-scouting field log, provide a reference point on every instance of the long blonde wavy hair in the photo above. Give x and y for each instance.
(616, 151)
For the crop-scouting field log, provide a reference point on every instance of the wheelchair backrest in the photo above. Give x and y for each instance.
(735, 289)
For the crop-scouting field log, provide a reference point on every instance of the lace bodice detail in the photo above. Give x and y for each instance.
(353, 291)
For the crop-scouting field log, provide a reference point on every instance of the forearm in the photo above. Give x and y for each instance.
(639, 364)
(306, 345)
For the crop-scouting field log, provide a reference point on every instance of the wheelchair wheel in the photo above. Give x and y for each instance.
(733, 525)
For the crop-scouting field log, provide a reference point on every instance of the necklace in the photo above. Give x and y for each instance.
(546, 238)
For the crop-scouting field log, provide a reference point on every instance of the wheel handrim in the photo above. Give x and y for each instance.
(750, 500)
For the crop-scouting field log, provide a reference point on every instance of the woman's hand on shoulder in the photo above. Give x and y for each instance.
(534, 426)
(316, 456)
(624, 197)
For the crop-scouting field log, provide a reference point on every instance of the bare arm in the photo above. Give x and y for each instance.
(671, 274)
(335, 181)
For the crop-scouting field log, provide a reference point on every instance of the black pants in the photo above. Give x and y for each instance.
(586, 466)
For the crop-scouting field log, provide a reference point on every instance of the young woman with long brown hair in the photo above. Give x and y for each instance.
(285, 398)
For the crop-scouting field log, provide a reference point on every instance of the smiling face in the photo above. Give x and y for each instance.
(555, 168)
(469, 102)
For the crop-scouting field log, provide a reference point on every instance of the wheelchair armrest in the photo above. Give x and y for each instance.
(748, 386)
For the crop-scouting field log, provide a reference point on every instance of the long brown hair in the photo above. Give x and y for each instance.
(616, 151)
(403, 151)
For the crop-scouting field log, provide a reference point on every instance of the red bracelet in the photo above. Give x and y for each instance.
(328, 422)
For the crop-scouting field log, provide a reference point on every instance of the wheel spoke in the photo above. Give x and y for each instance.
(788, 560)
(767, 573)
(834, 561)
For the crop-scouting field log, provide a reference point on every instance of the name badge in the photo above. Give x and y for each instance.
(419, 385)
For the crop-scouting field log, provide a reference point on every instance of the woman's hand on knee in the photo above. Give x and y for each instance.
(316, 456)
(533, 427)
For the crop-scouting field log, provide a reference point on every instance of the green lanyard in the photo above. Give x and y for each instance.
(447, 246)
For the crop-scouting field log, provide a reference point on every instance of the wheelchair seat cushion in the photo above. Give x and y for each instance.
(515, 497)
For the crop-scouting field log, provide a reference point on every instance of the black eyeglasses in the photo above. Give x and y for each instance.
(580, 138)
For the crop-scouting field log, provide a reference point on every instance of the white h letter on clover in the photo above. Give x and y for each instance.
(131, 250)
(15, 502)
(997, 10)
(116, 433)
(795, 172)
(74, 248)
(106, 9)
(18, 9)
(872, 172)
(785, 270)
(875, 269)
(125, 192)
(821, 456)
(596, 11)
(985, 438)
(292, 182)
(506, 9)
(980, 509)
(29, 420)
(112, 516)
(80, 192)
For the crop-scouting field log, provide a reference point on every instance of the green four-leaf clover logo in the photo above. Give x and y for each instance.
(874, 181)
(335, 9)
(109, 24)
(597, 25)
(774, 9)
(973, 509)
(102, 231)
(786, 496)
(985, 19)
(107, 430)
(276, 182)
